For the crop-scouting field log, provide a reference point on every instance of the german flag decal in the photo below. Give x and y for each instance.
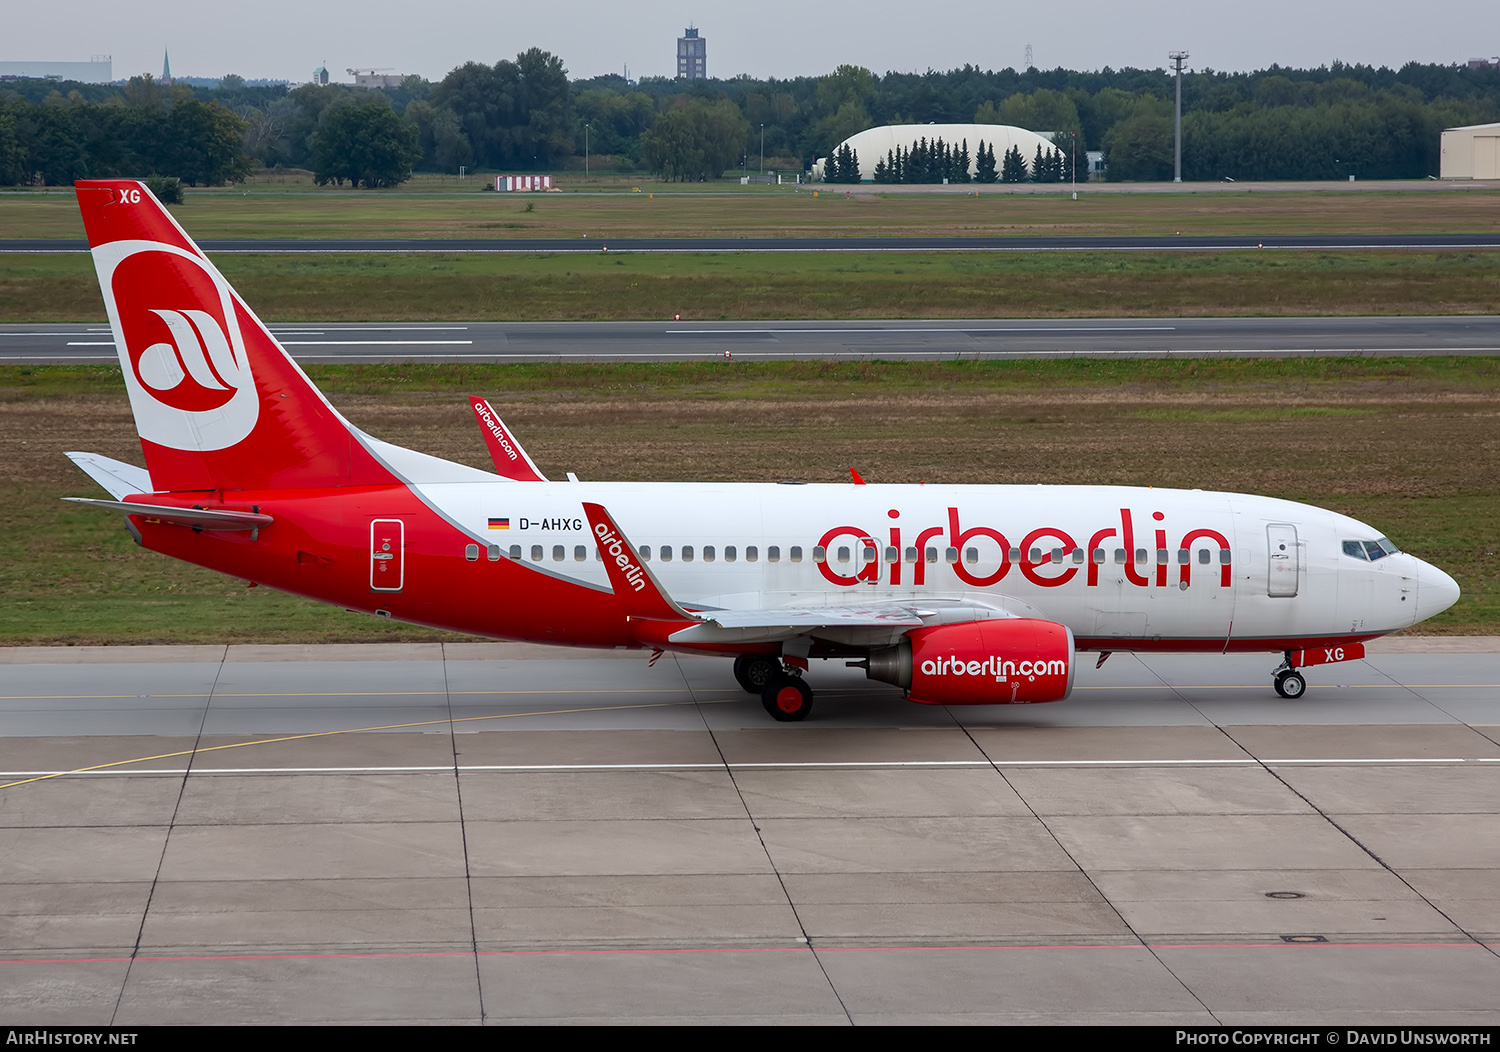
(499, 524)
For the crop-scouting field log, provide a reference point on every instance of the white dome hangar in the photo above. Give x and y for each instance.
(873, 144)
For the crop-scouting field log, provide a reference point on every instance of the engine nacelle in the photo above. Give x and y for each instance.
(1005, 661)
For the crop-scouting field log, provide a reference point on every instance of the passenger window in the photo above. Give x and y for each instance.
(559, 553)
(687, 553)
(1224, 556)
(870, 553)
(666, 553)
(892, 554)
(1204, 556)
(580, 553)
(1078, 556)
(1015, 555)
(1161, 556)
(1098, 556)
(819, 553)
(708, 553)
(971, 555)
(752, 553)
(1057, 555)
(1034, 556)
(796, 553)
(843, 554)
(932, 555)
(645, 551)
(773, 554)
(1119, 556)
(951, 555)
(494, 553)
(536, 553)
(1140, 557)
(729, 553)
(515, 552)
(471, 553)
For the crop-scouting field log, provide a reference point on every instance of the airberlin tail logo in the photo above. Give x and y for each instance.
(180, 343)
(194, 369)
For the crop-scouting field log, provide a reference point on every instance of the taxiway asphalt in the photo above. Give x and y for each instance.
(504, 833)
(690, 340)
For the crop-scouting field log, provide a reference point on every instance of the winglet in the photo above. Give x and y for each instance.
(632, 581)
(510, 459)
(858, 479)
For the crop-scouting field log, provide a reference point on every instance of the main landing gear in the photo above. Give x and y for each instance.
(782, 690)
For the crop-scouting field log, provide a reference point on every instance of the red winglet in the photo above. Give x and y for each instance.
(510, 459)
(858, 479)
(631, 580)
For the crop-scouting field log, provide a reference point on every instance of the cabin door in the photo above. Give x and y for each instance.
(1281, 539)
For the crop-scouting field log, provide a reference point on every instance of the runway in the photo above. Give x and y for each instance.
(689, 340)
(502, 833)
(1158, 243)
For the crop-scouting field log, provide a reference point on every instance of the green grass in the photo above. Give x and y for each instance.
(679, 210)
(1410, 446)
(748, 286)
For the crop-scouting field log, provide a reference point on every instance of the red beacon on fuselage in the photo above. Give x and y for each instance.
(956, 594)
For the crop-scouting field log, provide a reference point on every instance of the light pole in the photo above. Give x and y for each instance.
(762, 149)
(1178, 58)
(585, 151)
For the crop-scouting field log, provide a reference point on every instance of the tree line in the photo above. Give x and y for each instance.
(528, 114)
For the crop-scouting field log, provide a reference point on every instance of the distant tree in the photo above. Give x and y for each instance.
(1141, 146)
(1013, 169)
(984, 165)
(842, 166)
(366, 144)
(207, 144)
(695, 140)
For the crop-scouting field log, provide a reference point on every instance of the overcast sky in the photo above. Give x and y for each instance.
(284, 39)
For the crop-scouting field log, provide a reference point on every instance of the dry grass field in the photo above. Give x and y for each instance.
(1412, 447)
(802, 285)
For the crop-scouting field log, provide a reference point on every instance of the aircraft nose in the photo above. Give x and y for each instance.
(1436, 591)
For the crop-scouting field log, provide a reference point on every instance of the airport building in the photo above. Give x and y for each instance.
(1471, 152)
(97, 70)
(692, 55)
(873, 144)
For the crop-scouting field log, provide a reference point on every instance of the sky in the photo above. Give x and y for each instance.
(283, 39)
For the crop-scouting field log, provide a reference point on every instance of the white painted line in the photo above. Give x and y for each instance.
(94, 343)
(785, 765)
(965, 329)
(376, 343)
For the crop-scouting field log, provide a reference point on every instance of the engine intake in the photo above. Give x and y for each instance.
(1006, 661)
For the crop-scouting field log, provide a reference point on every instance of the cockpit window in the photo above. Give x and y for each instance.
(1371, 550)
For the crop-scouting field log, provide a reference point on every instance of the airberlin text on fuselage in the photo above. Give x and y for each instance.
(610, 541)
(1044, 571)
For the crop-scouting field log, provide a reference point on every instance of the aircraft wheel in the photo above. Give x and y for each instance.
(754, 671)
(1290, 684)
(787, 698)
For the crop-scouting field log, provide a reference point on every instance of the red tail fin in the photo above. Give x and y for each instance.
(218, 403)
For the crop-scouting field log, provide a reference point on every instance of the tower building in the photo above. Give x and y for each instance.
(692, 55)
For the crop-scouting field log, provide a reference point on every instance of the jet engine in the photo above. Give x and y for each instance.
(1006, 661)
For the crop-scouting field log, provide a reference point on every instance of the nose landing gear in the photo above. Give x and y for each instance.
(1289, 683)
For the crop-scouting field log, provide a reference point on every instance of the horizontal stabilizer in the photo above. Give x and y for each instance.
(118, 478)
(199, 518)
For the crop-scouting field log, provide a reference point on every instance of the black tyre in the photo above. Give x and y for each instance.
(787, 698)
(754, 671)
(1290, 684)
